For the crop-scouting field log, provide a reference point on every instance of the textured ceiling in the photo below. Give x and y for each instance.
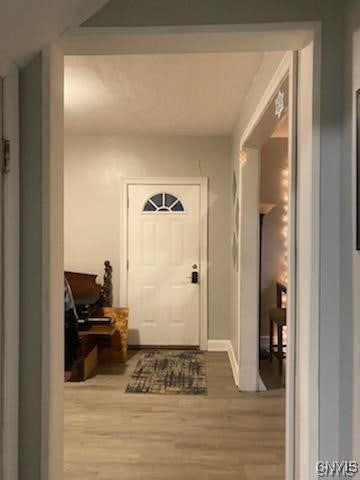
(196, 94)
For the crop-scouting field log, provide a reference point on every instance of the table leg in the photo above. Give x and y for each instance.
(271, 347)
(280, 349)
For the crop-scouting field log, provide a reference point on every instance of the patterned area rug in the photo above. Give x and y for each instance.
(171, 372)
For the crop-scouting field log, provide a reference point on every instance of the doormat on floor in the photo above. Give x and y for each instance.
(169, 372)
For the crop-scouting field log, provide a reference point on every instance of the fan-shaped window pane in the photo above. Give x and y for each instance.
(158, 199)
(178, 207)
(149, 207)
(169, 199)
(163, 202)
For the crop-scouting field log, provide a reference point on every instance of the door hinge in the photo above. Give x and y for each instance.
(127, 264)
(128, 202)
(5, 156)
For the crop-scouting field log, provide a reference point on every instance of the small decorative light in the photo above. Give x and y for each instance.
(279, 104)
(242, 157)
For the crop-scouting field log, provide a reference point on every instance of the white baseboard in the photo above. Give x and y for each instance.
(233, 363)
(226, 346)
(218, 345)
(261, 385)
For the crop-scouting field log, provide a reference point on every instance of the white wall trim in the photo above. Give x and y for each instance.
(218, 345)
(233, 363)
(52, 381)
(186, 38)
(248, 313)
(226, 346)
(202, 182)
(303, 28)
(261, 385)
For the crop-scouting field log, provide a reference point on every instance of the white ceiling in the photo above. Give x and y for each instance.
(196, 94)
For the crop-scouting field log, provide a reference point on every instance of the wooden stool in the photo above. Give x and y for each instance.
(277, 316)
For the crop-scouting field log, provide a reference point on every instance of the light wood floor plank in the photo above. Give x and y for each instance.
(226, 435)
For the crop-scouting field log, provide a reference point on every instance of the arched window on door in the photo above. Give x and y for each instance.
(163, 202)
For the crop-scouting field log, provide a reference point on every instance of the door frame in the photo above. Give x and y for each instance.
(249, 377)
(135, 40)
(250, 152)
(203, 183)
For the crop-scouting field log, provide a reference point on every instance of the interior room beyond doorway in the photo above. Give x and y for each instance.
(274, 193)
(142, 117)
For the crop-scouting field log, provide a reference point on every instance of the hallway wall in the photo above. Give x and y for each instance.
(94, 167)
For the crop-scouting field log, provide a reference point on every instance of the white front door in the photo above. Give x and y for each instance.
(164, 256)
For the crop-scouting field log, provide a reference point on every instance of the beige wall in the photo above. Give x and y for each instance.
(274, 159)
(94, 167)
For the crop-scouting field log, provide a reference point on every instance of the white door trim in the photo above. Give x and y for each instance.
(294, 441)
(202, 182)
(248, 371)
(249, 374)
(227, 40)
(248, 254)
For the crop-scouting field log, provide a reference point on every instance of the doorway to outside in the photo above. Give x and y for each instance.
(164, 261)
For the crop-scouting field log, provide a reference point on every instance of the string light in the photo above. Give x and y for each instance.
(242, 157)
(285, 220)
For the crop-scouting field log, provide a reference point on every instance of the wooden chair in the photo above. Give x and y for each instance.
(277, 316)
